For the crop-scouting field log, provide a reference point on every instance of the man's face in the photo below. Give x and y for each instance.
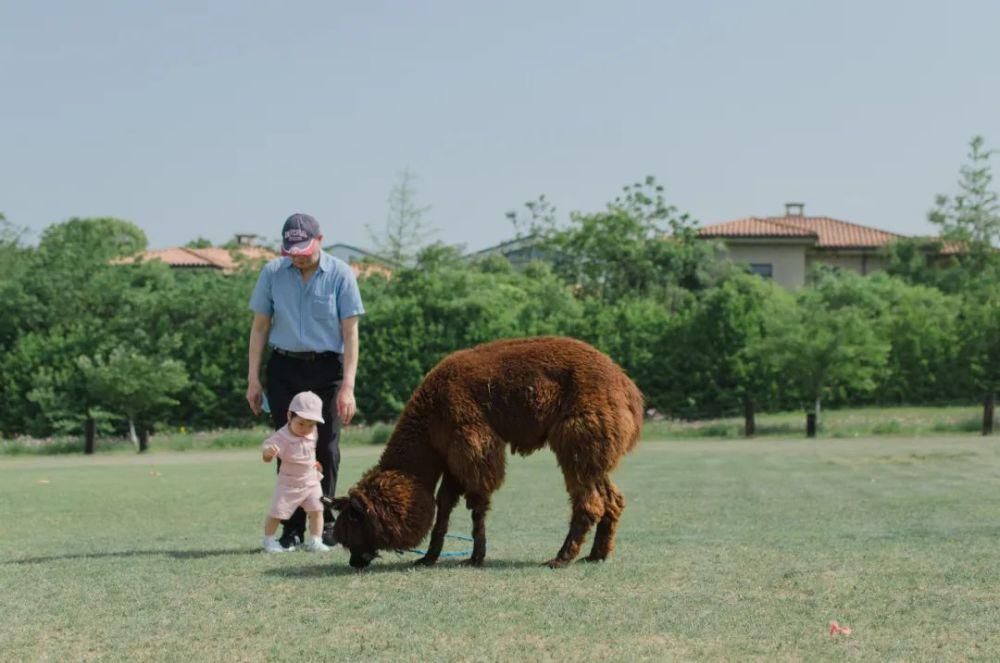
(304, 262)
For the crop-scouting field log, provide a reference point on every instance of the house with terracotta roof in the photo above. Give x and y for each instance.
(210, 258)
(228, 260)
(783, 248)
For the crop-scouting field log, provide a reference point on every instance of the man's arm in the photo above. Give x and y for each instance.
(346, 407)
(258, 339)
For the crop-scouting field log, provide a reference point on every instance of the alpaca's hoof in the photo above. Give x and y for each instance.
(594, 558)
(426, 560)
(556, 563)
(473, 561)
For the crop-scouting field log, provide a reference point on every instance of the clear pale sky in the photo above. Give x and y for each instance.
(209, 118)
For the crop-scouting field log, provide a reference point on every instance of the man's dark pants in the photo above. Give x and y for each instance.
(287, 376)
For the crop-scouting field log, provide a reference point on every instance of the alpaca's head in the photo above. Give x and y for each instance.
(356, 528)
(387, 510)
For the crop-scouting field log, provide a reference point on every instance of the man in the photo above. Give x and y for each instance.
(306, 307)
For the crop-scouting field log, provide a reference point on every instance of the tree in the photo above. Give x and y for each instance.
(205, 316)
(722, 351)
(979, 325)
(825, 350)
(75, 257)
(68, 300)
(924, 261)
(40, 384)
(406, 228)
(92, 240)
(971, 219)
(14, 270)
(9, 233)
(134, 385)
(639, 246)
(920, 324)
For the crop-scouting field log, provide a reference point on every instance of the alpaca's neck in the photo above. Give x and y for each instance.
(408, 450)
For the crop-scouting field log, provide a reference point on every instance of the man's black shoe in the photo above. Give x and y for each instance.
(290, 539)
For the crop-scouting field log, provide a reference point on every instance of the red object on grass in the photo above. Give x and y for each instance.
(837, 629)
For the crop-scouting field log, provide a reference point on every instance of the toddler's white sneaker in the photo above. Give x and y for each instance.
(315, 545)
(271, 545)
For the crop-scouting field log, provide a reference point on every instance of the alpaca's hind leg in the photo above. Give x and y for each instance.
(447, 496)
(479, 504)
(588, 507)
(604, 537)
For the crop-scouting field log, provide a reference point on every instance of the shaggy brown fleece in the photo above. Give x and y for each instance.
(525, 393)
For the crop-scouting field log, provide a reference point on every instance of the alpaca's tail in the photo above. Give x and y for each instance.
(635, 406)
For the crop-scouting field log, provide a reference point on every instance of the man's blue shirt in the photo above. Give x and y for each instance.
(306, 316)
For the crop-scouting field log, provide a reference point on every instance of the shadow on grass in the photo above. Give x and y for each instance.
(175, 554)
(340, 567)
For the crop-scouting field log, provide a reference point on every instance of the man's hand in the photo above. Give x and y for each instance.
(346, 407)
(254, 394)
(270, 451)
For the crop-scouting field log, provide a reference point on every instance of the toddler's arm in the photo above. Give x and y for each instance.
(270, 451)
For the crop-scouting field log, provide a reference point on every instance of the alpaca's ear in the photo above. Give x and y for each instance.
(337, 503)
(358, 512)
(366, 515)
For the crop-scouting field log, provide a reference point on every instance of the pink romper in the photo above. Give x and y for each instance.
(298, 479)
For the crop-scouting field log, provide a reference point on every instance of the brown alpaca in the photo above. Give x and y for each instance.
(523, 392)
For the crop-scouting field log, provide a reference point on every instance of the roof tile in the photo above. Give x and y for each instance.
(212, 258)
(829, 233)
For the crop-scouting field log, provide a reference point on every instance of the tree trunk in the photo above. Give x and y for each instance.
(89, 435)
(989, 405)
(812, 420)
(131, 434)
(810, 424)
(143, 439)
(749, 421)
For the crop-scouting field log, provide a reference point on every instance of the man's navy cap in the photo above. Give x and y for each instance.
(298, 236)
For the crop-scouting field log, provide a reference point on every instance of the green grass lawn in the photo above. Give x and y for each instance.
(842, 423)
(728, 550)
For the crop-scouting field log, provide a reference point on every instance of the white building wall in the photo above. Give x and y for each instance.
(788, 261)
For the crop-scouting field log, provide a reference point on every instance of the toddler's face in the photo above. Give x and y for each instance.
(301, 427)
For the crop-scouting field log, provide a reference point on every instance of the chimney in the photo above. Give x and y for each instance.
(794, 209)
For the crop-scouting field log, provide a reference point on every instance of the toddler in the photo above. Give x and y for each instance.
(299, 473)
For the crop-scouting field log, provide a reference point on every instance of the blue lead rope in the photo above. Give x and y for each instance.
(456, 553)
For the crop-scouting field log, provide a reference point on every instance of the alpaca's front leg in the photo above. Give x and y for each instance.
(447, 497)
(479, 504)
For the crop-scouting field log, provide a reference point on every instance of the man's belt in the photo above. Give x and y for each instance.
(308, 356)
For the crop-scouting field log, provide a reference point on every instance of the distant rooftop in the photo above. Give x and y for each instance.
(507, 246)
(209, 258)
(228, 260)
(826, 232)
